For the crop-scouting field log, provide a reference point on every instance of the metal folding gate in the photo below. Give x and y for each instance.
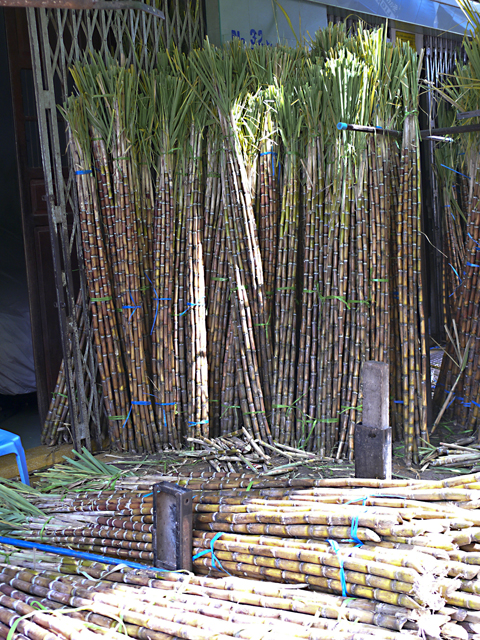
(59, 38)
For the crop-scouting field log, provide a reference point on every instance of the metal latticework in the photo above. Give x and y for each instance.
(59, 38)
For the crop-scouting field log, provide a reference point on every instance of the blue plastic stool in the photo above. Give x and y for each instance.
(11, 443)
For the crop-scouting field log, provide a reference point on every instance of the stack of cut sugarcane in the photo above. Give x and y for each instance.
(80, 599)
(238, 246)
(407, 548)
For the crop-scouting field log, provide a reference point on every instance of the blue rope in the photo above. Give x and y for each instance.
(272, 153)
(459, 398)
(470, 264)
(132, 306)
(354, 531)
(212, 551)
(190, 305)
(336, 548)
(450, 169)
(165, 404)
(157, 300)
(135, 402)
(202, 422)
(475, 241)
(456, 273)
(85, 172)
(354, 526)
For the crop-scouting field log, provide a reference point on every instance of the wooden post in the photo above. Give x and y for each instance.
(373, 438)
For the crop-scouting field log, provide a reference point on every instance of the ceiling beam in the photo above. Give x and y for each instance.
(84, 4)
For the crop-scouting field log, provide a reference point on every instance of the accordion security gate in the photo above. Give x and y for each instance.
(58, 38)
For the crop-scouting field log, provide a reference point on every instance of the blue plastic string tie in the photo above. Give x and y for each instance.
(475, 241)
(163, 405)
(450, 169)
(455, 271)
(190, 305)
(354, 530)
(459, 399)
(135, 402)
(84, 172)
(398, 402)
(336, 548)
(215, 560)
(202, 422)
(272, 153)
(133, 306)
(147, 495)
(457, 287)
(354, 526)
(157, 300)
(451, 401)
(470, 264)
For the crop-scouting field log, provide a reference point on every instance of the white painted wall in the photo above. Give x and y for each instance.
(263, 22)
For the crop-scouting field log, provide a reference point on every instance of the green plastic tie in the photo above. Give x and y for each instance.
(106, 299)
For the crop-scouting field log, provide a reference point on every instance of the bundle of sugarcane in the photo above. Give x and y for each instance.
(128, 269)
(407, 247)
(268, 198)
(451, 177)
(245, 267)
(97, 270)
(124, 220)
(170, 93)
(118, 524)
(285, 320)
(339, 82)
(314, 184)
(458, 384)
(197, 409)
(216, 286)
(173, 605)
